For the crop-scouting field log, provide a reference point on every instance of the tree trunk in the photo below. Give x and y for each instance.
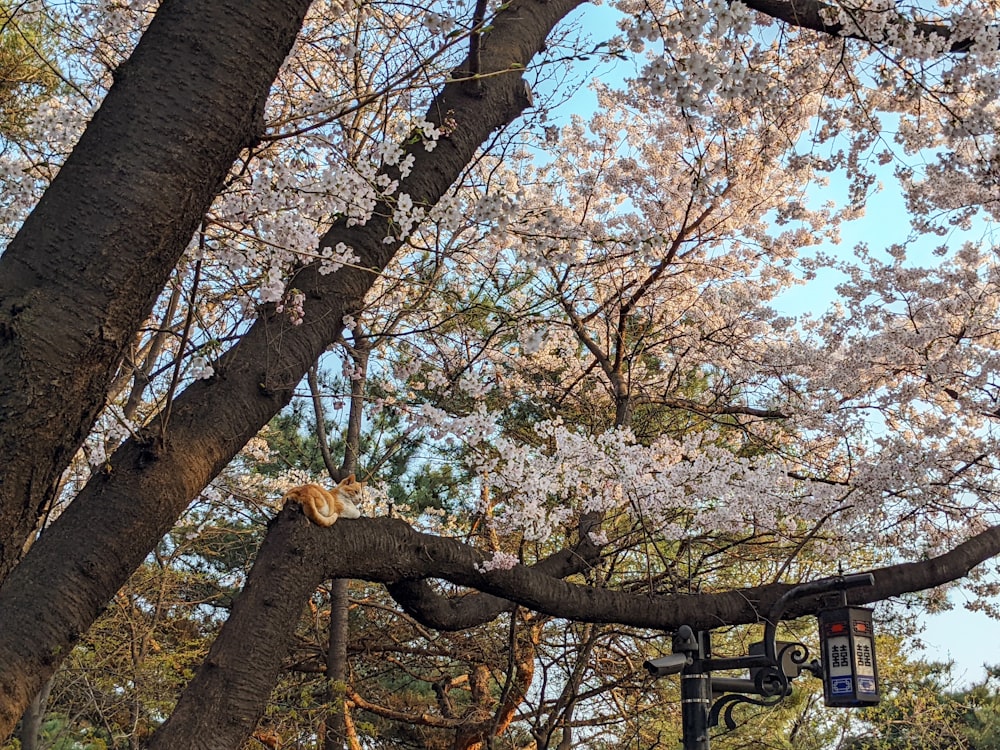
(223, 704)
(86, 267)
(29, 732)
(521, 671)
(335, 737)
(92, 548)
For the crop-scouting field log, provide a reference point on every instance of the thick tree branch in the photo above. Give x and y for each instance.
(424, 556)
(232, 686)
(90, 551)
(423, 603)
(813, 14)
(86, 267)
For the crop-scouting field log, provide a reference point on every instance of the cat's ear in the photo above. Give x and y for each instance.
(349, 480)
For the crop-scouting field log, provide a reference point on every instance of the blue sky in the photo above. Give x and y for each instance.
(969, 639)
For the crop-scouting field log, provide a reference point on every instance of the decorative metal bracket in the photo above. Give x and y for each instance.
(772, 665)
(771, 682)
(771, 672)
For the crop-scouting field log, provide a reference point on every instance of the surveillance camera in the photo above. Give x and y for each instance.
(666, 665)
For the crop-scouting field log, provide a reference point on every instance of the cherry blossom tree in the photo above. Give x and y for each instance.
(580, 312)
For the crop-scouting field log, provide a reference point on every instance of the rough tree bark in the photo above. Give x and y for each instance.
(90, 551)
(221, 705)
(86, 267)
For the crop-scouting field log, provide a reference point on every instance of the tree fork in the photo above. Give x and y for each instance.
(86, 267)
(104, 534)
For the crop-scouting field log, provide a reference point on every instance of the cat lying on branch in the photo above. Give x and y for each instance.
(323, 506)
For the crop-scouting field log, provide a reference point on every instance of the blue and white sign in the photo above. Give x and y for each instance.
(841, 685)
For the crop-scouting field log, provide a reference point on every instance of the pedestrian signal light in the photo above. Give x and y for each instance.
(847, 642)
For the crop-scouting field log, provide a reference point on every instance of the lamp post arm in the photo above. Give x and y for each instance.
(741, 685)
(739, 662)
(813, 588)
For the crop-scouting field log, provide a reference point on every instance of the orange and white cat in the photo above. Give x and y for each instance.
(323, 506)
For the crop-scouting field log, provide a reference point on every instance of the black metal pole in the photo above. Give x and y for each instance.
(696, 689)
